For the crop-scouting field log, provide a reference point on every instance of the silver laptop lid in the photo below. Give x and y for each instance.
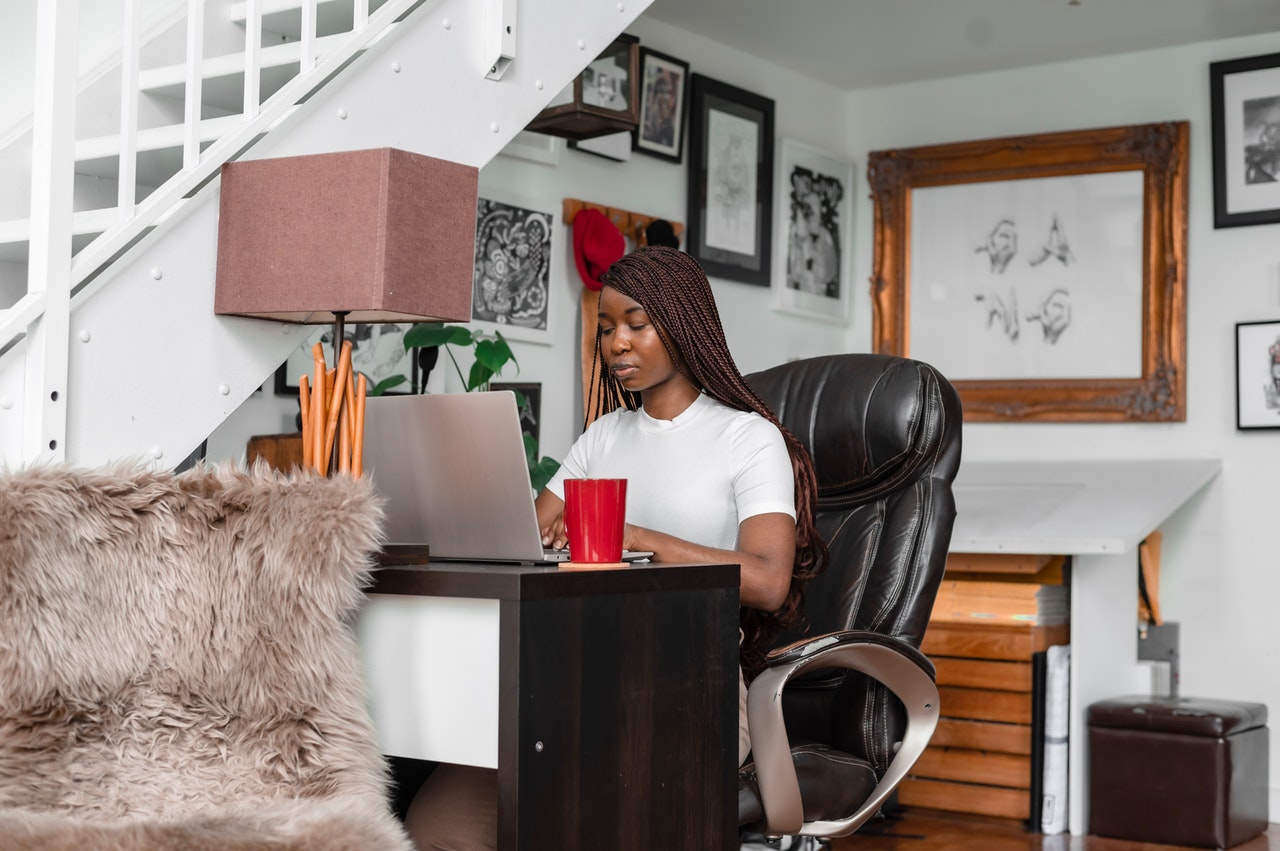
(453, 470)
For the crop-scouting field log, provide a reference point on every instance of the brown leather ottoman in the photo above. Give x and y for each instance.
(1178, 771)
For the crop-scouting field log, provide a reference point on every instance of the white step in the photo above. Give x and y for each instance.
(239, 12)
(285, 17)
(85, 222)
(15, 236)
(230, 65)
(157, 138)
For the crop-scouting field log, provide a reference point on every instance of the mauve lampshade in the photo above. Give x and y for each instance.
(381, 235)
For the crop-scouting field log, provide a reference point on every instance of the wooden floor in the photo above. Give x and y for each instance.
(922, 830)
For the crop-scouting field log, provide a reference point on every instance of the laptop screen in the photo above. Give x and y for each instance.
(452, 468)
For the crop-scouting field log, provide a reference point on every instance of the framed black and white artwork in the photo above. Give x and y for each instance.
(1044, 275)
(730, 181)
(1258, 374)
(512, 288)
(528, 401)
(1244, 102)
(813, 206)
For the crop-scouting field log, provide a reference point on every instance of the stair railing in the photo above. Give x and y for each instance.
(57, 281)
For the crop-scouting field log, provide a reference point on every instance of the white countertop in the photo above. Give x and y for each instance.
(1070, 507)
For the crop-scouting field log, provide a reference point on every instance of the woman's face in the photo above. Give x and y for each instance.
(630, 345)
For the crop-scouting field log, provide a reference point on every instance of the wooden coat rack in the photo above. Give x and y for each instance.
(631, 224)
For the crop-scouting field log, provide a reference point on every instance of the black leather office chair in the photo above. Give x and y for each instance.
(860, 702)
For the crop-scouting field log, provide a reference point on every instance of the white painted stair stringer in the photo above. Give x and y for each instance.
(152, 370)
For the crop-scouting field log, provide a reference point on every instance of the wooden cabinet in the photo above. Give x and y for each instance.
(980, 758)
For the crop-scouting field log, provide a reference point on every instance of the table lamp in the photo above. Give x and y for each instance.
(378, 235)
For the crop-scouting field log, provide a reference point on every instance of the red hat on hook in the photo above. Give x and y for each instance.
(597, 245)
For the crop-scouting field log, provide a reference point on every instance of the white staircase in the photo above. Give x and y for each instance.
(114, 352)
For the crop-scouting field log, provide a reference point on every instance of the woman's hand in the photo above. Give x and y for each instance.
(631, 538)
(551, 520)
(553, 534)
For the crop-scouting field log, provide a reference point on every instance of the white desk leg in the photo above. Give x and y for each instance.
(1104, 656)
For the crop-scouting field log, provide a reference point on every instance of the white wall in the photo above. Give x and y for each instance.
(758, 336)
(1218, 576)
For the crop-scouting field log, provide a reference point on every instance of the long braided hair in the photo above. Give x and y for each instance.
(676, 295)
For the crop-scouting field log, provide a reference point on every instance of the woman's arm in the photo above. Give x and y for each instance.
(766, 550)
(766, 553)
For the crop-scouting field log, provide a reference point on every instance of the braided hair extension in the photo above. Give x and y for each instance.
(676, 295)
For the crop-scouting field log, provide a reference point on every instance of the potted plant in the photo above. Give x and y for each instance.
(492, 353)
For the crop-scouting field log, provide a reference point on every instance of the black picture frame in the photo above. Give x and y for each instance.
(664, 106)
(1258, 375)
(730, 215)
(1243, 94)
(373, 353)
(530, 414)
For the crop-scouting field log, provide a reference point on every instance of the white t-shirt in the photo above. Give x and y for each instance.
(695, 477)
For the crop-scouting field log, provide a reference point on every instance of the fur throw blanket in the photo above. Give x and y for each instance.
(177, 667)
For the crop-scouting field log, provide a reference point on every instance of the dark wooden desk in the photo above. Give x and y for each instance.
(616, 698)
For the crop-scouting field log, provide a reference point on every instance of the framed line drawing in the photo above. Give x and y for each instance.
(1258, 375)
(813, 208)
(1043, 275)
(377, 352)
(512, 288)
(1244, 103)
(730, 181)
(664, 89)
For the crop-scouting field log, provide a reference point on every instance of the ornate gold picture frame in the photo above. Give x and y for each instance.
(1049, 271)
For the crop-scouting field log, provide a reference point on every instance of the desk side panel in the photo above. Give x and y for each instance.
(624, 734)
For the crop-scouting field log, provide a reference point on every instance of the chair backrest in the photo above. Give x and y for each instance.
(884, 433)
(172, 645)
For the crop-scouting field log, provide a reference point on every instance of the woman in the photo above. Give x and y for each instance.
(712, 476)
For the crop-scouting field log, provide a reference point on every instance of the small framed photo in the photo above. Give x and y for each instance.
(813, 205)
(1258, 374)
(1244, 101)
(664, 88)
(730, 181)
(511, 290)
(377, 352)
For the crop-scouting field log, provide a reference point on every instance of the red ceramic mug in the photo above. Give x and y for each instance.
(595, 511)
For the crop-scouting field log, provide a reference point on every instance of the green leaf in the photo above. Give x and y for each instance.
(542, 472)
(430, 334)
(530, 449)
(495, 354)
(480, 375)
(386, 384)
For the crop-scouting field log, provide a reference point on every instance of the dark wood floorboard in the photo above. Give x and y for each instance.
(924, 830)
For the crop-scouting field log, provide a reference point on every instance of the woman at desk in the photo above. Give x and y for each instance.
(712, 477)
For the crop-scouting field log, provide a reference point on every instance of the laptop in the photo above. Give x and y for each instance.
(452, 468)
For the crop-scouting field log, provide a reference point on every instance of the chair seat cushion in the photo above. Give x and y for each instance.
(833, 784)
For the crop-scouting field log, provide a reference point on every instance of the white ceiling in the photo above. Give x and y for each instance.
(855, 44)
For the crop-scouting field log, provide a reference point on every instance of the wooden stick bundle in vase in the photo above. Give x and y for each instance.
(332, 404)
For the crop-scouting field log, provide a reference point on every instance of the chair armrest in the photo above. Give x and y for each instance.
(901, 668)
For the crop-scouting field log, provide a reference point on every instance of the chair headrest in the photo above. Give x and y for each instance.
(869, 421)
